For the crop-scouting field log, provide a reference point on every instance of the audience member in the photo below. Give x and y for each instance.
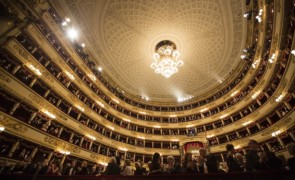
(53, 168)
(71, 169)
(188, 165)
(253, 159)
(112, 168)
(207, 163)
(127, 169)
(291, 161)
(156, 166)
(172, 166)
(138, 169)
(83, 169)
(232, 163)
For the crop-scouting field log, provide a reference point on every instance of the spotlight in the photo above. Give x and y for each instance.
(72, 33)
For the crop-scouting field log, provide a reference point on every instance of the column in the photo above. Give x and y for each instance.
(90, 145)
(81, 141)
(63, 159)
(33, 115)
(60, 131)
(16, 105)
(46, 93)
(49, 156)
(33, 152)
(292, 136)
(16, 68)
(13, 148)
(281, 142)
(33, 82)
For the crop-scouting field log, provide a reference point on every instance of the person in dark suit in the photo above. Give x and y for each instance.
(172, 166)
(291, 161)
(70, 170)
(43, 167)
(83, 169)
(232, 163)
(112, 168)
(207, 163)
(252, 157)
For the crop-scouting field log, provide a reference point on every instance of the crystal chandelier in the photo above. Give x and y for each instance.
(166, 59)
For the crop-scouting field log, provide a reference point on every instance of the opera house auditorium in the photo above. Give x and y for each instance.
(147, 89)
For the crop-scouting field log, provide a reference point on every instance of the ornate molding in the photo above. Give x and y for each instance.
(4, 77)
(61, 144)
(11, 124)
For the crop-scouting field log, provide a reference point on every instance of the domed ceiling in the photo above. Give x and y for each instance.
(122, 35)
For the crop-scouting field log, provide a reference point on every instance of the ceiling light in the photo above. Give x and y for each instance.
(293, 52)
(83, 45)
(111, 127)
(68, 19)
(64, 152)
(234, 93)
(49, 114)
(128, 120)
(278, 99)
(92, 77)
(166, 59)
(188, 126)
(99, 103)
(220, 81)
(254, 64)
(210, 136)
(271, 60)
(175, 140)
(223, 116)
(80, 108)
(123, 149)
(2, 128)
(141, 137)
(256, 94)
(35, 70)
(157, 126)
(276, 133)
(91, 137)
(116, 101)
(64, 23)
(203, 110)
(243, 56)
(72, 33)
(141, 112)
(246, 123)
(99, 69)
(70, 75)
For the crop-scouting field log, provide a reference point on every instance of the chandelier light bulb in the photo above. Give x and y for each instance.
(166, 60)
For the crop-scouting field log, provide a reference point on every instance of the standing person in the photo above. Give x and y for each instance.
(232, 163)
(188, 165)
(127, 170)
(207, 163)
(172, 166)
(138, 169)
(291, 161)
(156, 167)
(254, 157)
(112, 168)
